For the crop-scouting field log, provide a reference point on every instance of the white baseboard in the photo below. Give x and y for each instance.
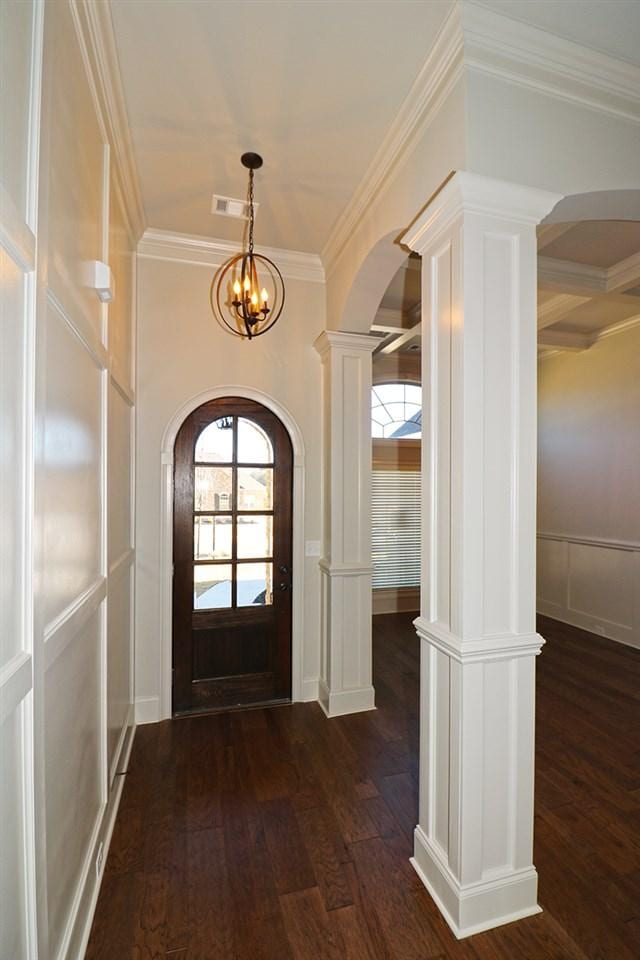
(310, 691)
(78, 929)
(345, 701)
(478, 906)
(602, 628)
(148, 710)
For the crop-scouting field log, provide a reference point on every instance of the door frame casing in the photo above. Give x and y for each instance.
(166, 534)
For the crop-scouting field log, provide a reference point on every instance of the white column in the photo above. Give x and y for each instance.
(345, 680)
(473, 844)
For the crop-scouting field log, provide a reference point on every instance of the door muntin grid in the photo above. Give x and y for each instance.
(233, 516)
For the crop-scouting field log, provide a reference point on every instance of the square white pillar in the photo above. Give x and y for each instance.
(346, 663)
(473, 844)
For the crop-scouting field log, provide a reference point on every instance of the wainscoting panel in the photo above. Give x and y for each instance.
(593, 584)
(73, 761)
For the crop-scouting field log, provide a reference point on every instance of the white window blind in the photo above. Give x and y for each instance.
(395, 528)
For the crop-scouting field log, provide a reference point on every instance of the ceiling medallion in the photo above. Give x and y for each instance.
(247, 292)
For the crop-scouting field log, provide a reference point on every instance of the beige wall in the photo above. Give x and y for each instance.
(589, 487)
(182, 352)
(67, 362)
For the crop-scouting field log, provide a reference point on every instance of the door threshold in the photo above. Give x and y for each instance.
(234, 708)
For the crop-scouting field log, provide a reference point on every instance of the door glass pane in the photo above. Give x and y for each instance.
(255, 488)
(212, 538)
(254, 537)
(254, 445)
(215, 443)
(211, 586)
(213, 488)
(254, 584)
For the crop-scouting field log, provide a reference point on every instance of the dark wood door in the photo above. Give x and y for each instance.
(232, 558)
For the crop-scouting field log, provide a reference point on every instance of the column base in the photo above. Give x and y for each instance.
(477, 906)
(337, 704)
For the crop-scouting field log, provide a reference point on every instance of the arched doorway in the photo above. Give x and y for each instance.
(232, 558)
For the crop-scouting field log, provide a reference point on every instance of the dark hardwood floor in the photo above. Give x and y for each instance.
(276, 834)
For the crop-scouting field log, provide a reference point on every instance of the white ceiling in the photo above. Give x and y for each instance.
(312, 85)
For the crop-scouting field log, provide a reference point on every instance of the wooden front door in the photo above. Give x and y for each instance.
(232, 558)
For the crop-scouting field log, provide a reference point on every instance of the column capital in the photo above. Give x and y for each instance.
(468, 192)
(338, 340)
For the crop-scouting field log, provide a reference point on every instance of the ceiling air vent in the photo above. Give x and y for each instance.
(229, 207)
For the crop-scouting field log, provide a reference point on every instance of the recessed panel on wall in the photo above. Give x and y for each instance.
(76, 181)
(601, 583)
(121, 263)
(13, 930)
(16, 37)
(12, 335)
(553, 570)
(70, 474)
(72, 766)
(118, 657)
(119, 461)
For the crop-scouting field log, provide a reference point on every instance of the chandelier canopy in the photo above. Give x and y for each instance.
(247, 293)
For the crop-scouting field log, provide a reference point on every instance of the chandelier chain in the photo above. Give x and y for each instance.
(250, 211)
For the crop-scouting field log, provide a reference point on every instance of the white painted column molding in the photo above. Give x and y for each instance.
(473, 843)
(345, 668)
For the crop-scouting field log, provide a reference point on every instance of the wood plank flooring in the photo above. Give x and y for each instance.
(279, 835)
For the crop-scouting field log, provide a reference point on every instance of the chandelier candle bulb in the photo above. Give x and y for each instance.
(264, 295)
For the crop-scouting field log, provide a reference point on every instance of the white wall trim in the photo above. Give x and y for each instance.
(631, 545)
(475, 38)
(503, 899)
(148, 710)
(528, 56)
(208, 252)
(16, 680)
(66, 625)
(342, 702)
(94, 29)
(145, 706)
(439, 73)
(80, 918)
(15, 235)
(568, 564)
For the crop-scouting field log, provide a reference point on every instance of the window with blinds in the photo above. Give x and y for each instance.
(395, 528)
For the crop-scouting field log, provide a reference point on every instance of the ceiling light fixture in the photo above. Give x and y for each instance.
(247, 292)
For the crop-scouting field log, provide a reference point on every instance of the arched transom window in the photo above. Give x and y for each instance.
(396, 411)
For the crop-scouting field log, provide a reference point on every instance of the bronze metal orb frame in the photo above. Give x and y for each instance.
(236, 312)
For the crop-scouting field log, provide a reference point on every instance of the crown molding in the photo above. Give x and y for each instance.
(472, 193)
(526, 55)
(613, 329)
(207, 252)
(569, 275)
(476, 38)
(624, 274)
(439, 73)
(94, 29)
(349, 342)
(558, 307)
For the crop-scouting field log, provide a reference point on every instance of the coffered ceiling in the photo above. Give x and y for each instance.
(588, 287)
